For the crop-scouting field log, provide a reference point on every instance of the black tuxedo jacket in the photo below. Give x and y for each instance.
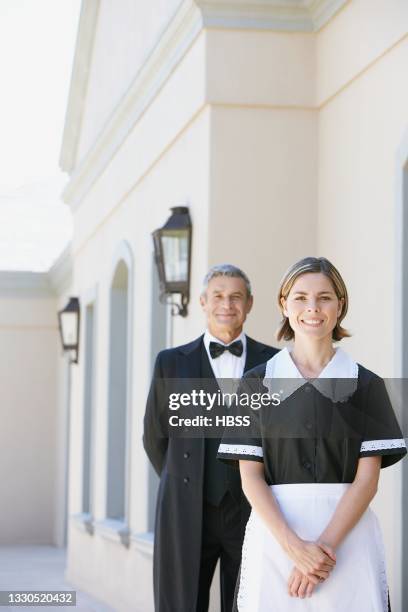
(180, 465)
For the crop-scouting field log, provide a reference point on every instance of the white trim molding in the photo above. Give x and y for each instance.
(321, 11)
(279, 15)
(25, 284)
(22, 283)
(111, 529)
(124, 254)
(160, 63)
(191, 18)
(401, 273)
(79, 83)
(143, 542)
(84, 522)
(60, 274)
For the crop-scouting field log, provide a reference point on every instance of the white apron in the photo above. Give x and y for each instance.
(358, 582)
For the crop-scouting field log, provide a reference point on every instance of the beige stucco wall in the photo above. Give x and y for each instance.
(363, 97)
(180, 177)
(250, 67)
(283, 145)
(216, 159)
(261, 86)
(263, 199)
(351, 42)
(360, 132)
(28, 355)
(117, 56)
(163, 162)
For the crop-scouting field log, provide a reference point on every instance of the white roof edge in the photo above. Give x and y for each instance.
(182, 30)
(79, 83)
(323, 10)
(22, 283)
(279, 15)
(25, 284)
(60, 273)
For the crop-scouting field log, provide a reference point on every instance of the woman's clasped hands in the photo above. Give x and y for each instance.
(314, 561)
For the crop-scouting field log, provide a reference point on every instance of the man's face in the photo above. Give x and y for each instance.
(226, 305)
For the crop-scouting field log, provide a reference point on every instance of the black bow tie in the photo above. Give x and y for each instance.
(217, 349)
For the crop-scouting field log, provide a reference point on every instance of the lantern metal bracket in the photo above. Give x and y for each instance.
(177, 308)
(73, 355)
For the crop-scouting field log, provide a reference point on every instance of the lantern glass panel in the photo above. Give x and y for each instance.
(69, 324)
(175, 255)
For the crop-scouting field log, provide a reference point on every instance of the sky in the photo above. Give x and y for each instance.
(37, 43)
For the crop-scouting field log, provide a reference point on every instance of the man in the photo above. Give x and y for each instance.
(201, 511)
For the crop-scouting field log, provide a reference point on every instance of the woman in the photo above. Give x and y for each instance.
(310, 466)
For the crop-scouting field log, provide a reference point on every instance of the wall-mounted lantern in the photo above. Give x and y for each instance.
(172, 249)
(68, 320)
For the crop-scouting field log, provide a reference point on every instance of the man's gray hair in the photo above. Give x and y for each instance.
(226, 270)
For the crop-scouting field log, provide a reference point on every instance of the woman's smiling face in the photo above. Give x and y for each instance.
(312, 306)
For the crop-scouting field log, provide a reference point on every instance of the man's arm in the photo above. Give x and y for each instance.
(155, 440)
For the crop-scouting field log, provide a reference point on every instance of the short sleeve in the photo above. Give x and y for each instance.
(234, 449)
(382, 434)
(243, 440)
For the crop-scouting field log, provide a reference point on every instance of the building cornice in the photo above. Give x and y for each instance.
(171, 47)
(321, 11)
(189, 20)
(60, 274)
(20, 283)
(25, 284)
(79, 83)
(279, 15)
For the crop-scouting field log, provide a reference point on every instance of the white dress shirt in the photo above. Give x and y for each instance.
(226, 365)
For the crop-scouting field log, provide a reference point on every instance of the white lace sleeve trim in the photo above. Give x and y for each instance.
(241, 449)
(374, 445)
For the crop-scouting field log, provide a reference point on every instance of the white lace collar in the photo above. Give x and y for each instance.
(282, 376)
